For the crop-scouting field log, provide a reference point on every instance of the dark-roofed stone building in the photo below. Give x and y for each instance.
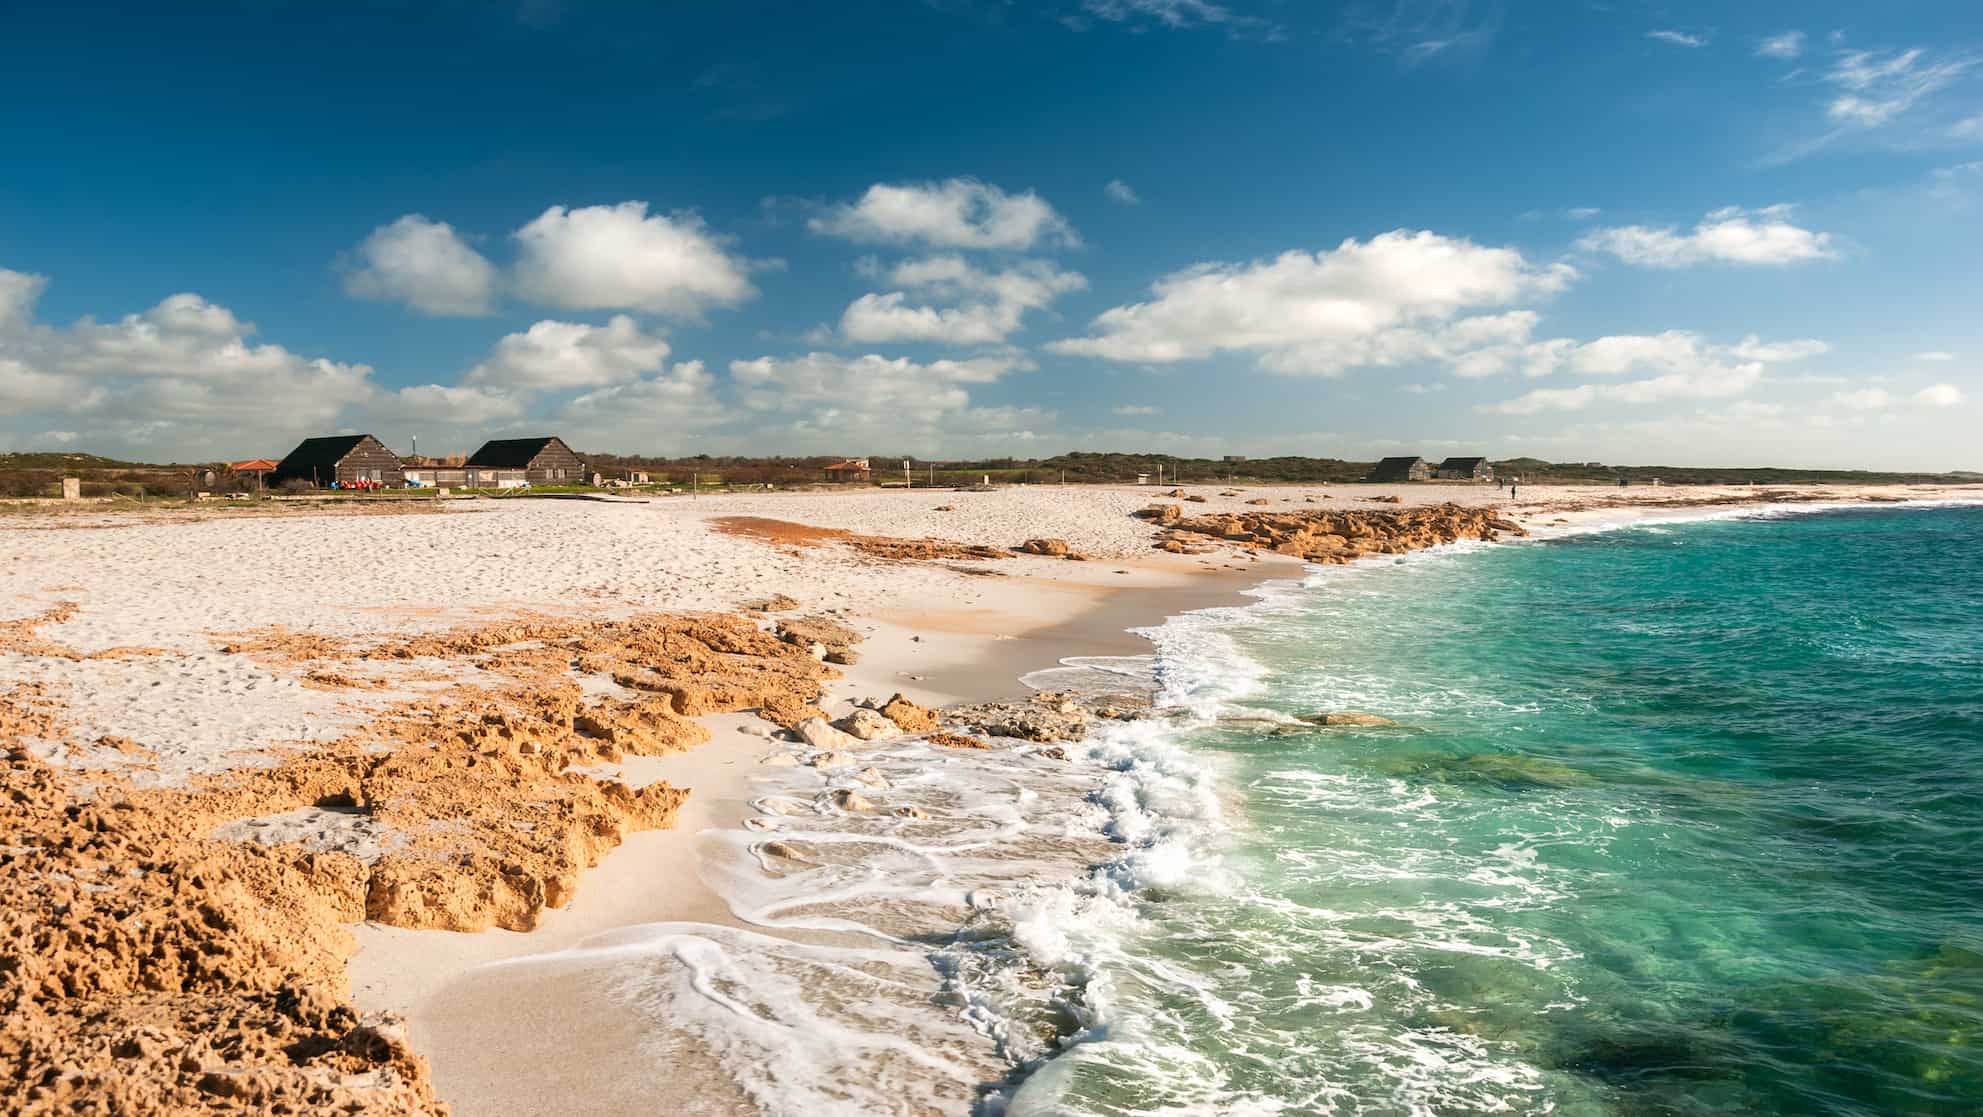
(342, 459)
(539, 461)
(1465, 469)
(1401, 469)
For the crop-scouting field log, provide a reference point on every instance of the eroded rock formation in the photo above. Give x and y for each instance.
(147, 966)
(1339, 537)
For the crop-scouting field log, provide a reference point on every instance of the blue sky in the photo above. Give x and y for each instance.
(1683, 233)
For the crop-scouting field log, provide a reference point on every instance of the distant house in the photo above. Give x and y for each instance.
(1465, 469)
(508, 462)
(340, 459)
(853, 469)
(1401, 469)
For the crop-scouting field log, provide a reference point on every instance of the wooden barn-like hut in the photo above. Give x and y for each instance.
(345, 460)
(1465, 469)
(853, 469)
(536, 461)
(1401, 469)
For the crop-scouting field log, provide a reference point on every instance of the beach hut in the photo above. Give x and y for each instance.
(853, 469)
(1465, 469)
(346, 460)
(1401, 469)
(507, 462)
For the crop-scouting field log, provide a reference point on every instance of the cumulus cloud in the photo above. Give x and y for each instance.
(825, 399)
(1681, 364)
(651, 412)
(19, 291)
(985, 306)
(1678, 39)
(1786, 46)
(554, 356)
(1934, 355)
(1764, 237)
(1384, 301)
(180, 379)
(457, 405)
(1134, 409)
(1878, 86)
(1940, 395)
(623, 258)
(955, 213)
(424, 264)
(1121, 193)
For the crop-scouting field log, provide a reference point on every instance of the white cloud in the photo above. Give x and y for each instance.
(827, 400)
(1134, 409)
(621, 257)
(1935, 355)
(987, 306)
(1171, 14)
(554, 356)
(1879, 86)
(179, 380)
(1583, 213)
(1940, 395)
(651, 413)
(956, 213)
(1763, 237)
(1788, 45)
(1752, 348)
(1684, 366)
(457, 406)
(1389, 300)
(1968, 128)
(59, 438)
(1863, 399)
(19, 291)
(1678, 39)
(1121, 193)
(424, 264)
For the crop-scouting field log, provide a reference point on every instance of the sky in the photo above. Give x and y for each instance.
(1651, 233)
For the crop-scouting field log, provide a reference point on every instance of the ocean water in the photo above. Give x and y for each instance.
(1677, 819)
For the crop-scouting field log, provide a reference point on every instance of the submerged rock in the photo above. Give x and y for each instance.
(847, 799)
(1351, 719)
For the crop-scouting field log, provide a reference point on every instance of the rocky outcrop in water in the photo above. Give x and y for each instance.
(1045, 717)
(1339, 537)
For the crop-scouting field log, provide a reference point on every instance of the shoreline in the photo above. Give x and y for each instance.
(471, 1000)
(466, 1003)
(167, 685)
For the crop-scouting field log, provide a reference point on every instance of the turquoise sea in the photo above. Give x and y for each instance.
(1676, 819)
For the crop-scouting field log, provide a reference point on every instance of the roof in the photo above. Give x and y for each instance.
(1407, 460)
(850, 464)
(1460, 463)
(510, 453)
(319, 454)
(254, 465)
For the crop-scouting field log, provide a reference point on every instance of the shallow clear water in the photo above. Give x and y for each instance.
(1679, 819)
